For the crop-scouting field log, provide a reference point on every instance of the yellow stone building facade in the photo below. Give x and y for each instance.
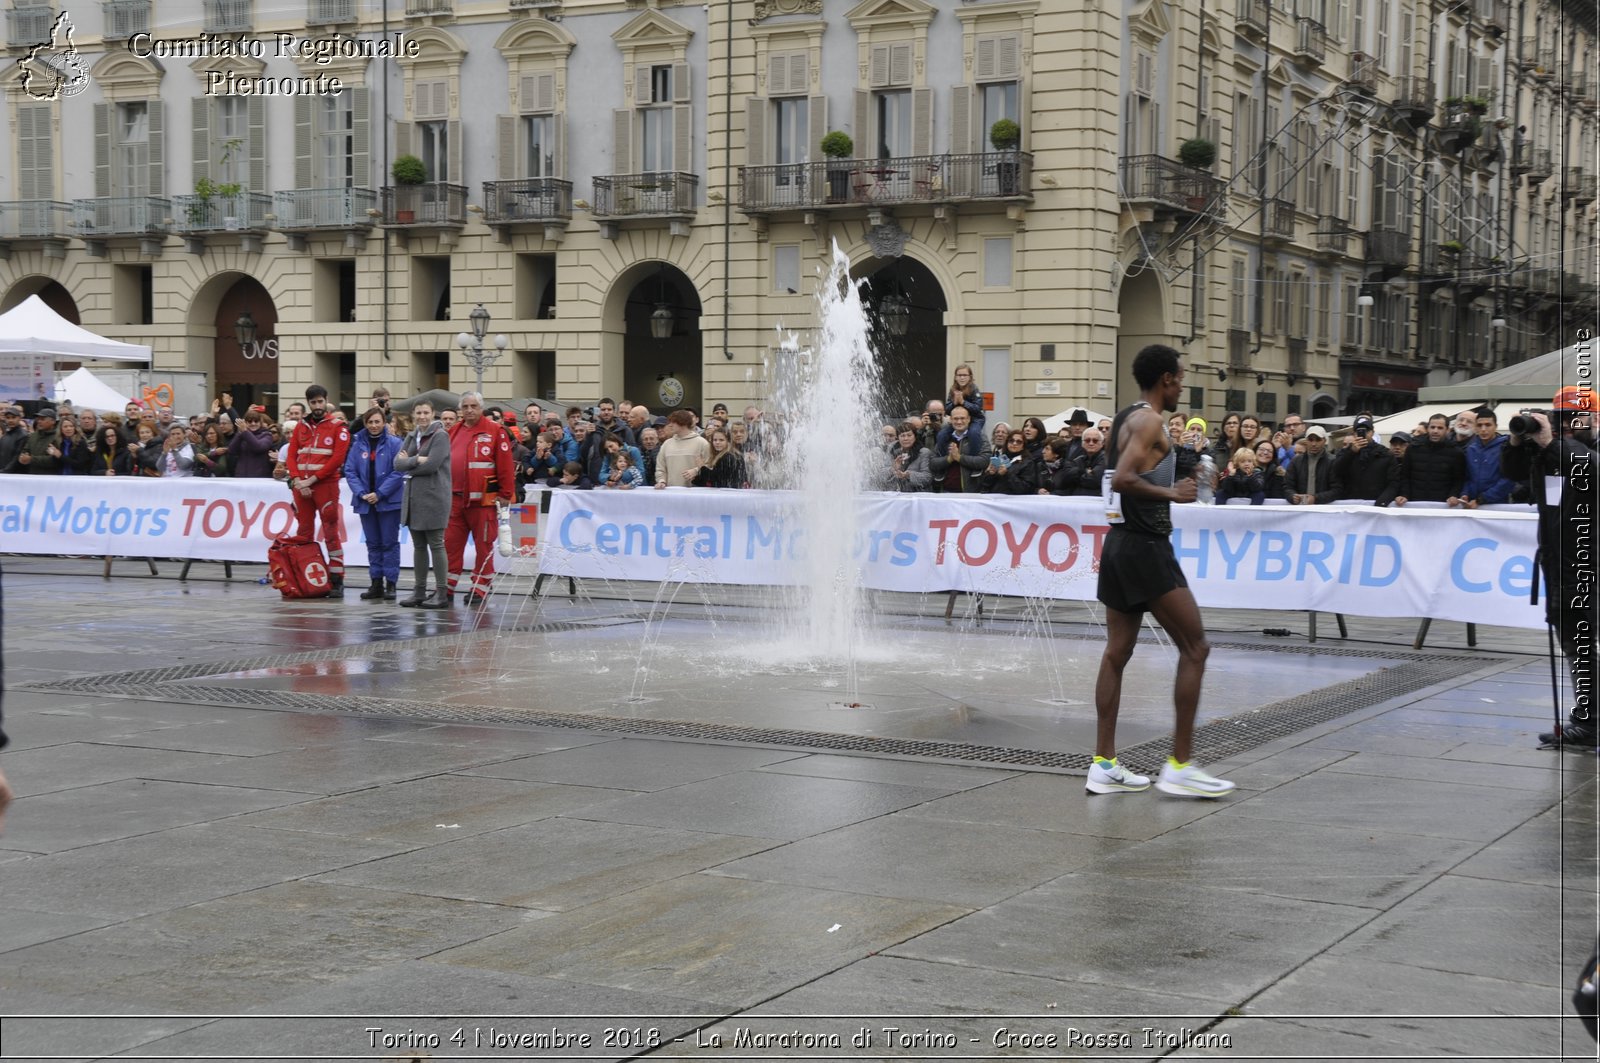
(637, 192)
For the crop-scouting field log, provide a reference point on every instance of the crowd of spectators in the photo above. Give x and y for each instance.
(949, 447)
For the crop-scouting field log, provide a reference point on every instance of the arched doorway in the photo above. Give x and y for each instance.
(1143, 322)
(653, 316)
(248, 370)
(906, 306)
(55, 296)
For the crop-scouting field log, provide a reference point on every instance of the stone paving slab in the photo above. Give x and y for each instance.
(922, 859)
(431, 811)
(1110, 930)
(187, 865)
(635, 764)
(553, 865)
(707, 938)
(763, 805)
(280, 938)
(68, 819)
(1059, 803)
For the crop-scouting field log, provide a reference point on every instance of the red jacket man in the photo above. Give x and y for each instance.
(315, 463)
(482, 472)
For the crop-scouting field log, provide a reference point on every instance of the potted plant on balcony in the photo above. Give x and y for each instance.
(1005, 135)
(206, 191)
(836, 147)
(1197, 152)
(407, 170)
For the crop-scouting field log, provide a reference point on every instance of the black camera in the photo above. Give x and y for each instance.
(1524, 425)
(1362, 429)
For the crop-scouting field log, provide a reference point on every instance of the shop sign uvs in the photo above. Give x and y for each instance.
(260, 349)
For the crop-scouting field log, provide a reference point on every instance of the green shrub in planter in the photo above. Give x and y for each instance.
(1005, 135)
(1197, 152)
(408, 170)
(837, 145)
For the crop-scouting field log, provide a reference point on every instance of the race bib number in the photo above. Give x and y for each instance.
(1112, 499)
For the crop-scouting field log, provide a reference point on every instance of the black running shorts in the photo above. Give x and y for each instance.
(1135, 570)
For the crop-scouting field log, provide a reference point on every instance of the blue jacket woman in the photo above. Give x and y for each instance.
(375, 490)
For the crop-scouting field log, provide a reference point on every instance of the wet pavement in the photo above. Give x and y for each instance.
(624, 824)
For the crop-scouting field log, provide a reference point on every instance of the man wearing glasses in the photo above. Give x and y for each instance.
(13, 434)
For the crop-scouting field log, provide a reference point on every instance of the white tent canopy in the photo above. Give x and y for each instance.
(1528, 383)
(1056, 423)
(88, 392)
(31, 327)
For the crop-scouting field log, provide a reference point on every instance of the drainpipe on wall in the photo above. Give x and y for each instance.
(386, 162)
(1261, 186)
(727, 195)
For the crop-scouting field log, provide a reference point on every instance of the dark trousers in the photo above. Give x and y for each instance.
(382, 532)
(1570, 609)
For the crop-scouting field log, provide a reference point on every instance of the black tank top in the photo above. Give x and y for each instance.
(1144, 515)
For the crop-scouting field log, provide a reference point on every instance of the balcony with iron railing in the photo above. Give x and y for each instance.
(1167, 184)
(431, 205)
(899, 181)
(35, 219)
(227, 16)
(1581, 87)
(1580, 185)
(28, 25)
(110, 216)
(331, 12)
(426, 8)
(1493, 15)
(310, 209)
(1389, 248)
(1333, 234)
(1544, 281)
(1537, 61)
(662, 193)
(1310, 40)
(1444, 259)
(1414, 101)
(245, 211)
(1363, 75)
(124, 18)
(1277, 220)
(531, 201)
(1538, 168)
(1253, 16)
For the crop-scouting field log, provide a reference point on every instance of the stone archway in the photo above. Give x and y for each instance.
(634, 364)
(250, 373)
(54, 294)
(914, 364)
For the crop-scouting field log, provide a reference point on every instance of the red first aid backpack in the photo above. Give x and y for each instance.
(298, 568)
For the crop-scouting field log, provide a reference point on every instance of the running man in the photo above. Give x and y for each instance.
(1139, 572)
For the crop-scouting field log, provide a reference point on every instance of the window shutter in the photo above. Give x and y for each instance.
(158, 169)
(458, 171)
(256, 124)
(878, 67)
(962, 141)
(404, 134)
(900, 64)
(27, 155)
(922, 121)
(683, 139)
(984, 65)
(1144, 82)
(1008, 57)
(200, 138)
(682, 87)
(865, 148)
(1130, 130)
(558, 123)
(799, 73)
(303, 141)
(545, 97)
(430, 100)
(1154, 147)
(778, 75)
(755, 130)
(622, 140)
(361, 136)
(817, 117)
(641, 85)
(506, 125)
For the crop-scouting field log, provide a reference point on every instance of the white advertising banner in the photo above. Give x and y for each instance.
(1448, 565)
(189, 518)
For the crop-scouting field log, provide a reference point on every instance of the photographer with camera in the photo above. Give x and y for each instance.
(1363, 468)
(1554, 453)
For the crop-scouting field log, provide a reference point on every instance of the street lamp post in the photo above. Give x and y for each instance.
(471, 344)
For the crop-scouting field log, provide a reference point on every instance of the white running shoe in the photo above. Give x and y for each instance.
(1191, 781)
(1114, 780)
